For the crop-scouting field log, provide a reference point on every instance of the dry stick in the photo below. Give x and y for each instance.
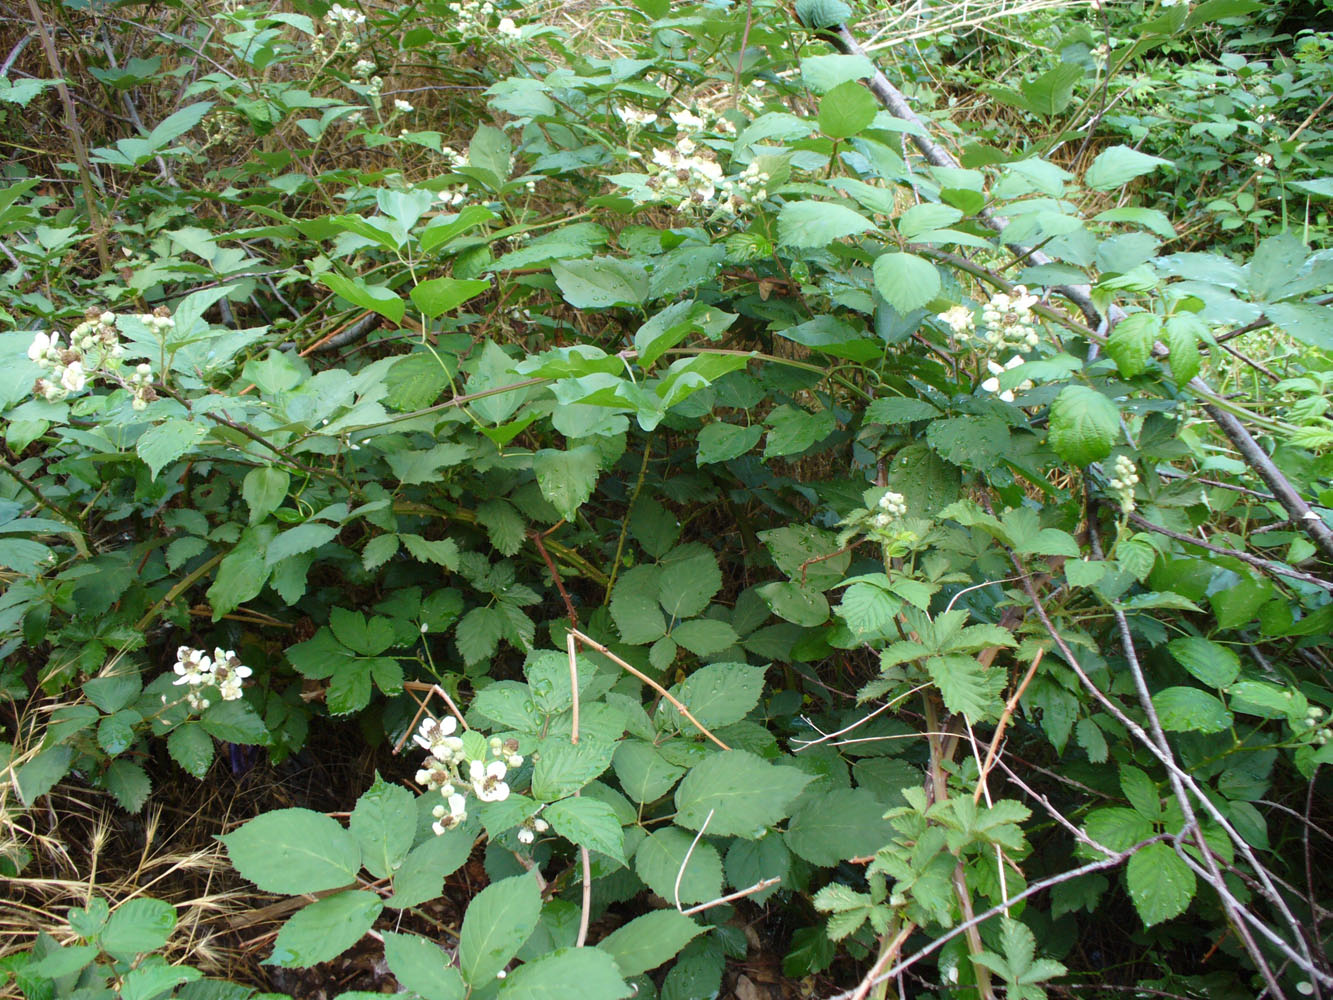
(1113, 861)
(592, 643)
(1266, 565)
(730, 897)
(685, 861)
(430, 689)
(75, 136)
(1310, 522)
(1168, 761)
(1005, 716)
(888, 953)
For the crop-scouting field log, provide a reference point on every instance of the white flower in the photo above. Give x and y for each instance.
(960, 319)
(488, 780)
(992, 384)
(437, 738)
(403, 106)
(893, 504)
(73, 377)
(686, 120)
(192, 667)
(363, 69)
(635, 118)
(447, 817)
(1263, 160)
(525, 836)
(41, 343)
(540, 825)
(508, 28)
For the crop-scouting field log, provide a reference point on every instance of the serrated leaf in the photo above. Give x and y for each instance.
(567, 974)
(717, 695)
(504, 525)
(846, 110)
(383, 822)
(1214, 664)
(805, 224)
(838, 825)
(1132, 341)
(658, 860)
(1190, 710)
(303, 538)
(437, 296)
(138, 925)
(745, 794)
(421, 876)
(567, 477)
(1160, 883)
(325, 929)
(375, 298)
(645, 775)
(264, 489)
(415, 382)
(647, 941)
(497, 922)
(192, 748)
(163, 443)
(294, 851)
(601, 282)
(634, 606)
(588, 823)
(422, 966)
(906, 281)
(1119, 165)
(688, 580)
(129, 783)
(1084, 425)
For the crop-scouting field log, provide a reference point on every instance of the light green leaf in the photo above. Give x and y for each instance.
(294, 851)
(601, 282)
(40, 774)
(1084, 425)
(906, 281)
(566, 767)
(803, 224)
(375, 298)
(688, 580)
(497, 922)
(325, 929)
(1214, 664)
(1132, 341)
(383, 822)
(837, 825)
(704, 636)
(264, 489)
(1190, 710)
(567, 477)
(303, 538)
(644, 773)
(162, 444)
(745, 793)
(192, 748)
(647, 941)
(846, 110)
(421, 876)
(422, 966)
(243, 571)
(1160, 883)
(658, 860)
(138, 925)
(567, 974)
(721, 442)
(437, 296)
(588, 823)
(717, 695)
(1119, 165)
(797, 604)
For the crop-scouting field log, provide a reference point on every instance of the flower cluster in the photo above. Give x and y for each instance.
(891, 508)
(94, 348)
(960, 319)
(1009, 321)
(634, 119)
(342, 34)
(363, 69)
(683, 178)
(225, 671)
(747, 190)
(450, 771)
(527, 833)
(472, 17)
(508, 30)
(1123, 479)
(992, 384)
(1313, 715)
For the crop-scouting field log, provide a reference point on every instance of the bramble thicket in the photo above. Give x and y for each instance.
(666, 500)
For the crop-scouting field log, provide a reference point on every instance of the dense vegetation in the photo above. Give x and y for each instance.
(721, 498)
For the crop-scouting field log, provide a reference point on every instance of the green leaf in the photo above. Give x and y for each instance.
(793, 430)
(1183, 332)
(1084, 425)
(421, 876)
(838, 825)
(264, 489)
(39, 775)
(566, 767)
(148, 982)
(162, 444)
(588, 823)
(498, 920)
(745, 793)
(808, 224)
(422, 966)
(717, 695)
(816, 14)
(243, 571)
(415, 382)
(128, 782)
(1190, 710)
(704, 636)
(303, 538)
(973, 442)
(369, 637)
(601, 282)
(567, 974)
(1119, 165)
(688, 580)
(906, 281)
(797, 604)
(440, 551)
(1132, 341)
(658, 860)
(235, 722)
(375, 298)
(645, 775)
(1160, 883)
(437, 296)
(1214, 664)
(384, 824)
(325, 929)
(567, 477)
(1052, 92)
(192, 748)
(294, 851)
(138, 925)
(846, 110)
(721, 442)
(920, 220)
(479, 633)
(647, 941)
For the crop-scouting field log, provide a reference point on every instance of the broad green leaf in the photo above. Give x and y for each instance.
(437, 296)
(808, 224)
(906, 281)
(422, 966)
(294, 851)
(1190, 710)
(138, 925)
(647, 941)
(235, 722)
(846, 110)
(39, 775)
(565, 767)
(497, 922)
(567, 974)
(384, 824)
(1132, 341)
(128, 783)
(601, 282)
(658, 860)
(1119, 165)
(688, 580)
(1084, 425)
(588, 823)
(704, 636)
(838, 825)
(822, 73)
(1214, 664)
(1183, 332)
(415, 382)
(421, 876)
(1160, 883)
(721, 442)
(264, 489)
(797, 604)
(745, 794)
(717, 695)
(243, 571)
(303, 538)
(375, 298)
(163, 443)
(192, 748)
(567, 477)
(818, 14)
(367, 636)
(644, 773)
(925, 218)
(325, 929)
(149, 981)
(794, 430)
